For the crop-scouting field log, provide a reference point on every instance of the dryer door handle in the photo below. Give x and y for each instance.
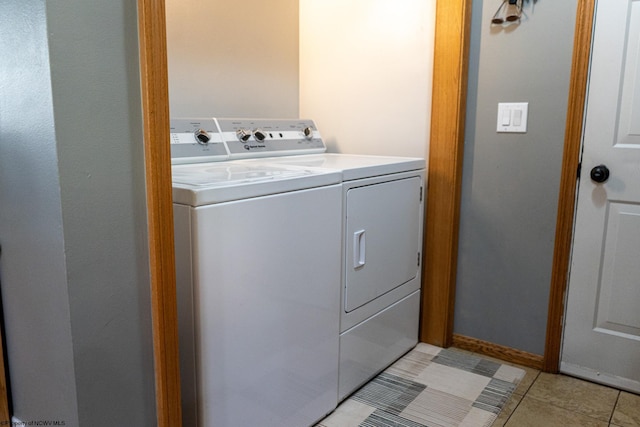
(359, 249)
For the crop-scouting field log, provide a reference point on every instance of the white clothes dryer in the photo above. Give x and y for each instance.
(382, 226)
(257, 264)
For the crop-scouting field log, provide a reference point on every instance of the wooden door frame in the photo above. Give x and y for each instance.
(155, 104)
(568, 182)
(453, 23)
(444, 180)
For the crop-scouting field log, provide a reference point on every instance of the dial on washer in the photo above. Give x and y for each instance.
(308, 132)
(259, 135)
(202, 136)
(243, 134)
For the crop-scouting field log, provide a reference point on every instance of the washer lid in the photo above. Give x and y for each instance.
(206, 183)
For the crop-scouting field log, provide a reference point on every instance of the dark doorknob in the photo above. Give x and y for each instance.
(600, 173)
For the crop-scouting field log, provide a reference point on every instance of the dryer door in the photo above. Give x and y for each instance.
(382, 239)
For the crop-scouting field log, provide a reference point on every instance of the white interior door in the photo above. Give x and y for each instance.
(602, 326)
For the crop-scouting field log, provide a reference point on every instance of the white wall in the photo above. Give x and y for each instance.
(233, 58)
(362, 69)
(366, 73)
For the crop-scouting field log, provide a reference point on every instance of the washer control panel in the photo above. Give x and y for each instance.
(248, 138)
(196, 140)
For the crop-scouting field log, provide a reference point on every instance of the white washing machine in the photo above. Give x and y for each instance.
(258, 263)
(382, 214)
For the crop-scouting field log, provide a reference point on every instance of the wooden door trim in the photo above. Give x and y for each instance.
(442, 216)
(155, 100)
(568, 182)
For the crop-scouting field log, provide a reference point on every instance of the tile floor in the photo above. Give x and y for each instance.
(545, 400)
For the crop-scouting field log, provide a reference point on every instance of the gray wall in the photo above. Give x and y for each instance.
(74, 264)
(511, 181)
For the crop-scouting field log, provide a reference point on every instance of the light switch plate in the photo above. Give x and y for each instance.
(512, 117)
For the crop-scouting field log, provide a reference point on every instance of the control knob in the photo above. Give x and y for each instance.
(308, 132)
(202, 136)
(243, 134)
(259, 135)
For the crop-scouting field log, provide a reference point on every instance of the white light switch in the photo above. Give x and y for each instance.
(517, 117)
(506, 117)
(512, 117)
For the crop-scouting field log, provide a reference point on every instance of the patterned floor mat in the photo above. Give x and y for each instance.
(431, 387)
